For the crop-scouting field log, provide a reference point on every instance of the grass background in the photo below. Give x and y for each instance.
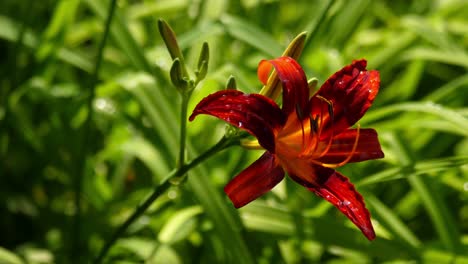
(51, 151)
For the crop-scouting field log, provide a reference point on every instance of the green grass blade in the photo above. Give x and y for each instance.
(393, 223)
(346, 22)
(449, 90)
(251, 34)
(432, 200)
(180, 225)
(9, 31)
(122, 36)
(419, 168)
(440, 215)
(225, 221)
(313, 27)
(440, 111)
(8, 257)
(457, 58)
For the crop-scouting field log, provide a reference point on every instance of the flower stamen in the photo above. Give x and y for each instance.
(350, 155)
(330, 113)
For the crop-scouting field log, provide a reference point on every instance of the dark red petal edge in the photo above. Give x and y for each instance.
(294, 83)
(352, 91)
(341, 193)
(257, 179)
(368, 147)
(255, 113)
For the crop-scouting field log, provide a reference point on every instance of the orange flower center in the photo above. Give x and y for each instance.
(300, 139)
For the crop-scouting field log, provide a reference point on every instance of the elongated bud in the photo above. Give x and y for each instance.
(202, 67)
(231, 83)
(312, 84)
(177, 75)
(170, 39)
(294, 50)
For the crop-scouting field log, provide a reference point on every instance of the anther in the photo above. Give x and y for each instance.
(330, 106)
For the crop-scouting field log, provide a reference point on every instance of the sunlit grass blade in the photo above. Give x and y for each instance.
(63, 17)
(391, 50)
(7, 256)
(432, 255)
(434, 34)
(156, 9)
(147, 92)
(419, 168)
(346, 21)
(252, 35)
(260, 217)
(440, 111)
(457, 58)
(312, 27)
(180, 225)
(144, 151)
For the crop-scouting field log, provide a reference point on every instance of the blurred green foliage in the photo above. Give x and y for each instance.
(417, 195)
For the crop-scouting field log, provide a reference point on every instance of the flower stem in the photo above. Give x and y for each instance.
(183, 130)
(164, 185)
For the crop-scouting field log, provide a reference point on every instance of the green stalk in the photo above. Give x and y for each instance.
(183, 129)
(76, 249)
(160, 189)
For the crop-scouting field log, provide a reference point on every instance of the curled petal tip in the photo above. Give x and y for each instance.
(361, 64)
(341, 193)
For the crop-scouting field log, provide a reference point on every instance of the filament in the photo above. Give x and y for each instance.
(350, 155)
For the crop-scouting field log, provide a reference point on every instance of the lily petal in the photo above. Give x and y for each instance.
(293, 80)
(257, 179)
(256, 114)
(337, 189)
(368, 147)
(351, 90)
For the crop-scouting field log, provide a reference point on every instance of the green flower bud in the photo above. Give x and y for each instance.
(273, 87)
(202, 67)
(177, 76)
(231, 83)
(170, 39)
(312, 84)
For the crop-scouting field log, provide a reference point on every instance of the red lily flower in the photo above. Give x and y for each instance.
(308, 137)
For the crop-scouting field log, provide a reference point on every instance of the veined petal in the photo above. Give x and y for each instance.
(368, 147)
(293, 80)
(257, 179)
(337, 189)
(351, 91)
(257, 114)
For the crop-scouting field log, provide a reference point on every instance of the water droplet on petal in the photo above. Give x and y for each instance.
(344, 203)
